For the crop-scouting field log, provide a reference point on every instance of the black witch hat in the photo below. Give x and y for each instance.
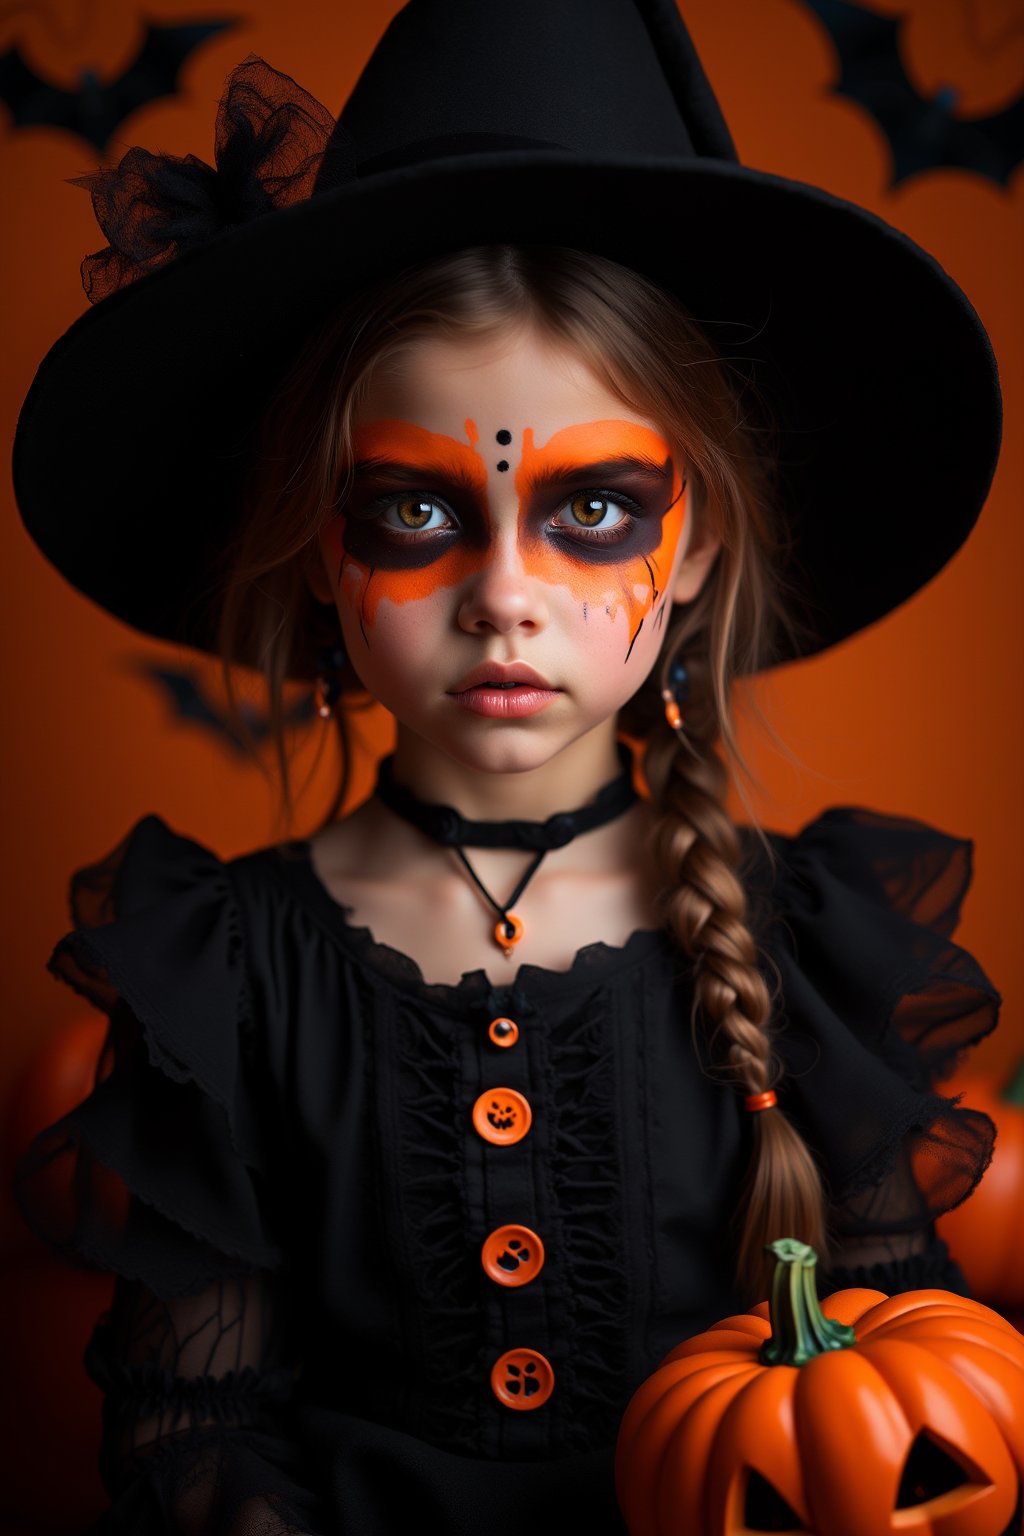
(581, 123)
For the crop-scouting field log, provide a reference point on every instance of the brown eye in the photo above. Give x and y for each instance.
(589, 510)
(415, 513)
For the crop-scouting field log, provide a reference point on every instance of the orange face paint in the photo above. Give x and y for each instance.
(378, 554)
(371, 563)
(607, 577)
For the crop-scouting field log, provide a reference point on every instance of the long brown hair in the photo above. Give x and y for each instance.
(641, 342)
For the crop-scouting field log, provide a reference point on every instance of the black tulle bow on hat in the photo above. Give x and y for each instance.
(270, 141)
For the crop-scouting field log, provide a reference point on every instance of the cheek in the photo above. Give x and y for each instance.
(619, 597)
(361, 588)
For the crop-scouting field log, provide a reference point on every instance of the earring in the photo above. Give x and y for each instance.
(328, 684)
(676, 694)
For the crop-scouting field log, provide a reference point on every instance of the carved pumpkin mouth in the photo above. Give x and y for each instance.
(935, 1482)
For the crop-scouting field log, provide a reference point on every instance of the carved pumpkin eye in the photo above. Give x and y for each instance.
(766, 1510)
(935, 1478)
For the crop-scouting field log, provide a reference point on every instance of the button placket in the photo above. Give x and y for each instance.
(512, 1253)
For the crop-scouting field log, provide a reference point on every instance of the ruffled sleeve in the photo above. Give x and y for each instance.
(875, 1003)
(163, 1175)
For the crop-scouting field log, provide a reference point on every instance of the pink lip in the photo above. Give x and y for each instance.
(525, 691)
(502, 672)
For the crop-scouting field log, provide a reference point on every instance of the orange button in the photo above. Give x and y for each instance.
(522, 1378)
(512, 1255)
(501, 1115)
(504, 1032)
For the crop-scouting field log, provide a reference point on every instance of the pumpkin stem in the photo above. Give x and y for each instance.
(800, 1330)
(1013, 1093)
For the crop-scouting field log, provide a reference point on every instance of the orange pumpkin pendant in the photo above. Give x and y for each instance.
(507, 933)
(861, 1414)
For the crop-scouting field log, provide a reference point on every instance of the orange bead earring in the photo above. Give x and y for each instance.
(675, 695)
(328, 684)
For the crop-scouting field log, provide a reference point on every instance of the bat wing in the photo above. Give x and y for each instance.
(34, 101)
(188, 703)
(98, 108)
(155, 70)
(922, 132)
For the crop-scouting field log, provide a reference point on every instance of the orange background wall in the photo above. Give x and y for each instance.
(921, 715)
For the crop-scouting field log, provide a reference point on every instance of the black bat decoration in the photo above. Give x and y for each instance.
(97, 109)
(189, 705)
(922, 131)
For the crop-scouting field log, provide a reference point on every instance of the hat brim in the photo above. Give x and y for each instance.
(141, 421)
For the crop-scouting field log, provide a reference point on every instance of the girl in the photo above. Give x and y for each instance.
(416, 1145)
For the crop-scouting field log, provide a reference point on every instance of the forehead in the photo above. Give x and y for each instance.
(512, 381)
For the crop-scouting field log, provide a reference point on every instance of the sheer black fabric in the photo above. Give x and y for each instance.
(279, 1162)
(194, 1390)
(271, 137)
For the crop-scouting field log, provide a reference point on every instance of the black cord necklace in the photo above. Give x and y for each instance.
(448, 827)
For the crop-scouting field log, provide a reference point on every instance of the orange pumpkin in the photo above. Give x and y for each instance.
(986, 1233)
(59, 1073)
(862, 1415)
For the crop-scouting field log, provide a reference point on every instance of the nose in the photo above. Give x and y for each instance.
(503, 595)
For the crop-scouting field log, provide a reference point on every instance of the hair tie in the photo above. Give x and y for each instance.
(755, 1101)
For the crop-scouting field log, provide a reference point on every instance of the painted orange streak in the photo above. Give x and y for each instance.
(588, 444)
(403, 442)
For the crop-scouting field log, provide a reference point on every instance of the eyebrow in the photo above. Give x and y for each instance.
(569, 471)
(573, 471)
(416, 475)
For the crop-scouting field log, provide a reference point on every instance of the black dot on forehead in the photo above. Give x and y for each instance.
(503, 465)
(504, 436)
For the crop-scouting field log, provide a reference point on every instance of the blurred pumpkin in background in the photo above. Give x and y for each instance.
(986, 1233)
(47, 1312)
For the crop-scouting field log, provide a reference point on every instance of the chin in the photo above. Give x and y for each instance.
(500, 749)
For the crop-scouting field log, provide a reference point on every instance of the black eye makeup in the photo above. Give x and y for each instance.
(401, 529)
(406, 526)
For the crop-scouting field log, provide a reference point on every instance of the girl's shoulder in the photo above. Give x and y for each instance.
(157, 870)
(875, 1000)
(857, 910)
(853, 858)
(165, 926)
(158, 943)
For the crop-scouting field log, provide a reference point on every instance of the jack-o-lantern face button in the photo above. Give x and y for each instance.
(522, 1378)
(502, 1116)
(512, 1255)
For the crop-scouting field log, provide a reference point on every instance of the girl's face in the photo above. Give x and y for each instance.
(505, 560)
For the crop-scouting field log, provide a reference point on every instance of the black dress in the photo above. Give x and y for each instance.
(280, 1161)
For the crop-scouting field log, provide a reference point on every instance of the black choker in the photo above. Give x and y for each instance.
(445, 825)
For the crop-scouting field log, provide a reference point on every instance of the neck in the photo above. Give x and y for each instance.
(562, 783)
